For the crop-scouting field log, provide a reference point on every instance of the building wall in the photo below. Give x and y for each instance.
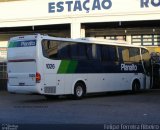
(22, 13)
(49, 12)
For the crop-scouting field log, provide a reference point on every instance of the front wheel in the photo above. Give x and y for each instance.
(135, 86)
(79, 90)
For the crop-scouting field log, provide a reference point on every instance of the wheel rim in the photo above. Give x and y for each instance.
(79, 91)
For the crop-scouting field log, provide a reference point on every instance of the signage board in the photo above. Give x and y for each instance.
(38, 12)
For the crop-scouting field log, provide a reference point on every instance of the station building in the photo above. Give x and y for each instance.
(135, 21)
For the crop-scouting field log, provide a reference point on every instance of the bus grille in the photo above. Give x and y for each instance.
(50, 89)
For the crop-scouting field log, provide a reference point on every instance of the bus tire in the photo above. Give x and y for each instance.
(79, 90)
(135, 86)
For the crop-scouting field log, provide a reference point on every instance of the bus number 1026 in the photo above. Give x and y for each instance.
(50, 66)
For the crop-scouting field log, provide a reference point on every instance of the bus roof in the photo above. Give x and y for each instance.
(81, 40)
(96, 41)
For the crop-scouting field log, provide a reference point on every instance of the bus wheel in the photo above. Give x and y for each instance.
(135, 86)
(79, 90)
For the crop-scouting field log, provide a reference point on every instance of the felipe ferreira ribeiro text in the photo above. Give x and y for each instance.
(131, 126)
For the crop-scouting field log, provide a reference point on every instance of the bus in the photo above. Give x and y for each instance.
(52, 66)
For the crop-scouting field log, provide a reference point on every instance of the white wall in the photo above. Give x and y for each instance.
(35, 12)
(46, 12)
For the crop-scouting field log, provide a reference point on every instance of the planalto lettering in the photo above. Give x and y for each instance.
(79, 5)
(27, 43)
(131, 67)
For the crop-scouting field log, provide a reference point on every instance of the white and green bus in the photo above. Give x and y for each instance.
(51, 66)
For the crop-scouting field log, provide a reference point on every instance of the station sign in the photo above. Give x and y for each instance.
(37, 12)
(97, 6)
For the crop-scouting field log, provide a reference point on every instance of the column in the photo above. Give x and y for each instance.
(83, 31)
(75, 30)
(129, 39)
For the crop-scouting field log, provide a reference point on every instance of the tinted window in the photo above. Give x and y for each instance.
(74, 50)
(96, 52)
(78, 50)
(82, 51)
(113, 53)
(134, 54)
(105, 53)
(55, 49)
(109, 53)
(63, 50)
(124, 53)
(89, 51)
(50, 49)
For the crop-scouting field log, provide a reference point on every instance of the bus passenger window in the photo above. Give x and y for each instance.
(134, 55)
(105, 53)
(109, 53)
(89, 51)
(74, 50)
(50, 49)
(63, 50)
(82, 51)
(113, 53)
(96, 52)
(45, 48)
(124, 54)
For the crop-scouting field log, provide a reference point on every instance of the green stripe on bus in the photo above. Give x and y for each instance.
(12, 44)
(67, 66)
(72, 67)
(63, 66)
